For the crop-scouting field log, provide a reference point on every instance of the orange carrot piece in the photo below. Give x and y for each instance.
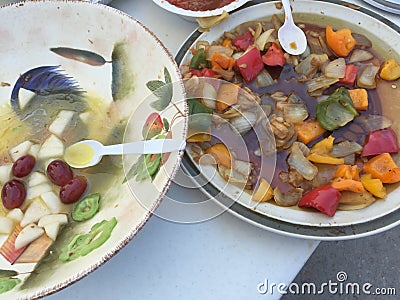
(359, 98)
(341, 41)
(221, 154)
(348, 185)
(347, 172)
(309, 130)
(219, 60)
(384, 168)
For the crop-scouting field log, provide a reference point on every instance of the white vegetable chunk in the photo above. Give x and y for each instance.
(34, 150)
(62, 120)
(27, 235)
(51, 148)
(53, 218)
(5, 173)
(37, 178)
(36, 210)
(52, 230)
(20, 150)
(6, 225)
(16, 215)
(37, 190)
(54, 203)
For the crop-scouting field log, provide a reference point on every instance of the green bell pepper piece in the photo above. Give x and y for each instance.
(336, 111)
(86, 208)
(83, 244)
(199, 59)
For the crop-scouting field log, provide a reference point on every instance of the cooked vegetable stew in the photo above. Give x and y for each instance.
(311, 125)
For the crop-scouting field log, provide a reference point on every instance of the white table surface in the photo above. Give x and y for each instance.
(223, 258)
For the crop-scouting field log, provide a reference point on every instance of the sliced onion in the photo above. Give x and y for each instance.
(335, 68)
(209, 95)
(244, 122)
(309, 66)
(346, 148)
(264, 79)
(376, 122)
(264, 38)
(300, 163)
(362, 40)
(295, 113)
(225, 74)
(366, 78)
(232, 176)
(290, 198)
(320, 83)
(243, 167)
(359, 55)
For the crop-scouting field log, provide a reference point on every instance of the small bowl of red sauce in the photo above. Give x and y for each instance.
(200, 8)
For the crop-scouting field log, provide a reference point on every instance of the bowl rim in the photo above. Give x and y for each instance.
(327, 233)
(130, 234)
(200, 14)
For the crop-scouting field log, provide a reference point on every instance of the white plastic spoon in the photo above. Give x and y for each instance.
(291, 37)
(88, 153)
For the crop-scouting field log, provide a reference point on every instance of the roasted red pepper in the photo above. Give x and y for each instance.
(380, 141)
(274, 56)
(350, 75)
(243, 41)
(250, 64)
(205, 72)
(324, 198)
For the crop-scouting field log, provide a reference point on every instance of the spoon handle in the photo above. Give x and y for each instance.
(145, 147)
(288, 10)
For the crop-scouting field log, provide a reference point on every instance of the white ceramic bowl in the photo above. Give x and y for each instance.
(199, 14)
(84, 38)
(294, 221)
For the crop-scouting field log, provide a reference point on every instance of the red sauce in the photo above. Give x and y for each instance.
(200, 5)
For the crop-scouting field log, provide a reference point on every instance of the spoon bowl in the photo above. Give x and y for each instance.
(292, 39)
(88, 153)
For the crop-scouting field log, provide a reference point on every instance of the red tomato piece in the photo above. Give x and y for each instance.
(250, 64)
(380, 141)
(350, 75)
(274, 56)
(324, 198)
(243, 41)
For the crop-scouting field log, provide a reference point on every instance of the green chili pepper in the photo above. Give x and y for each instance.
(336, 111)
(7, 284)
(86, 208)
(198, 59)
(82, 244)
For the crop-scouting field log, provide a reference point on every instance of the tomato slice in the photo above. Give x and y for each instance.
(380, 141)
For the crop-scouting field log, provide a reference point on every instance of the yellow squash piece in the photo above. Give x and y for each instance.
(390, 70)
(374, 186)
(325, 159)
(264, 192)
(359, 98)
(323, 147)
